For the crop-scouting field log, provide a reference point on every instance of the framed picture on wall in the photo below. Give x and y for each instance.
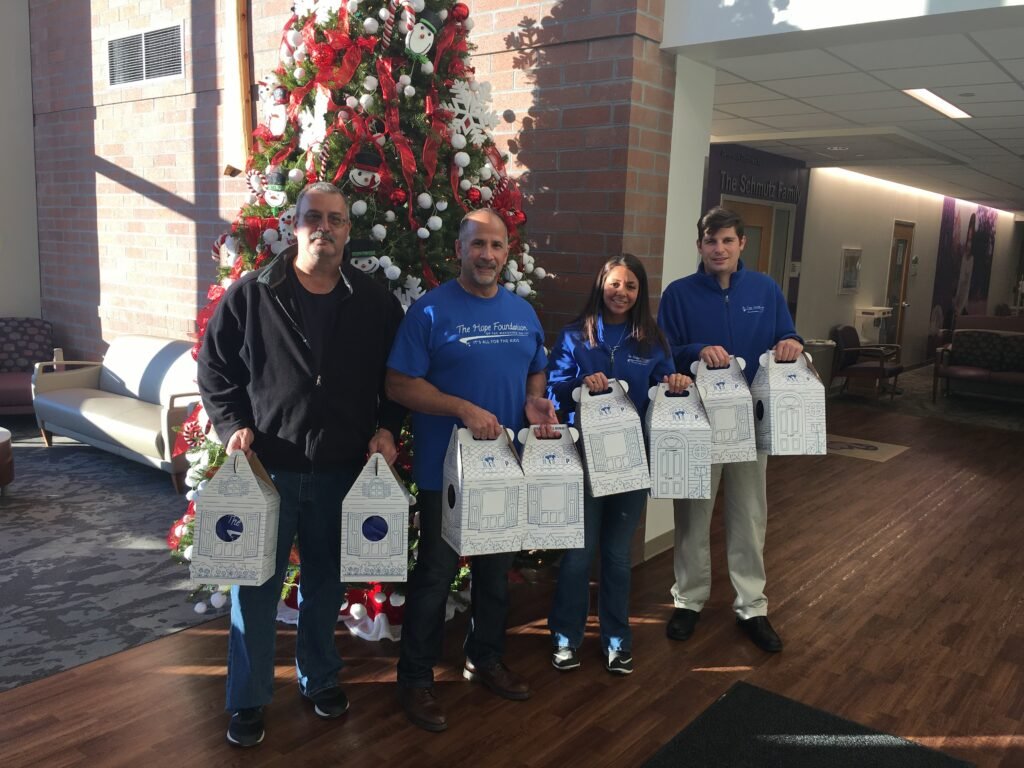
(849, 270)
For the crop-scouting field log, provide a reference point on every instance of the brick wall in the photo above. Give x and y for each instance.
(592, 98)
(130, 192)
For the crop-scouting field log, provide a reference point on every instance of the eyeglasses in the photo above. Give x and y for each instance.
(313, 219)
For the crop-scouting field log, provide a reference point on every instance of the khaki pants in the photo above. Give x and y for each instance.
(746, 516)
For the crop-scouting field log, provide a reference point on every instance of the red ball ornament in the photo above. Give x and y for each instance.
(322, 55)
(474, 195)
(398, 197)
(460, 12)
(520, 218)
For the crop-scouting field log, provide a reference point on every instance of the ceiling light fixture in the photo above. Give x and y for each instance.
(937, 103)
(836, 148)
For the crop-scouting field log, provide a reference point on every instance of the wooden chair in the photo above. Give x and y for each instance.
(871, 362)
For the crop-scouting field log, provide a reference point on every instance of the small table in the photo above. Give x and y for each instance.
(6, 460)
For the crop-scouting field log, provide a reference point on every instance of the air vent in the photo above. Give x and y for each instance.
(146, 56)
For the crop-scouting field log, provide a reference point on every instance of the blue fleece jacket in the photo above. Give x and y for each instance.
(572, 359)
(747, 318)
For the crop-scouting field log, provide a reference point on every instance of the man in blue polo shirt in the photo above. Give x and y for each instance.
(471, 354)
(725, 309)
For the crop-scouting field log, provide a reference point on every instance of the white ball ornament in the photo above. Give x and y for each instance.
(295, 175)
(200, 608)
(523, 289)
(300, 53)
(353, 6)
(526, 247)
(424, 200)
(384, 262)
(461, 159)
(294, 38)
(359, 208)
(379, 232)
(418, 5)
(384, 14)
(299, 73)
(370, 83)
(458, 141)
(357, 611)
(288, 61)
(190, 495)
(371, 26)
(389, 216)
(485, 193)
(422, 233)
(528, 267)
(202, 484)
(510, 287)
(397, 599)
(366, 101)
(409, 91)
(474, 86)
(187, 554)
(427, 68)
(539, 273)
(434, 223)
(442, 205)
(271, 236)
(486, 173)
(464, 185)
(468, 24)
(404, 80)
(218, 600)
(392, 272)
(351, 102)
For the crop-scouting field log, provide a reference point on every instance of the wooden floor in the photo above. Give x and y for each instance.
(898, 588)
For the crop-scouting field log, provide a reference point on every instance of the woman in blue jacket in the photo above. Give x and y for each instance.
(614, 336)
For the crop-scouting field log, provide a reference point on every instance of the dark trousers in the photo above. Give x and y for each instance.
(427, 595)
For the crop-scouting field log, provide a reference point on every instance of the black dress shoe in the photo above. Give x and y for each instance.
(761, 632)
(498, 679)
(422, 708)
(682, 623)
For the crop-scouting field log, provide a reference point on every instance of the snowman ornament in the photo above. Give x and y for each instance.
(362, 255)
(365, 172)
(420, 39)
(275, 195)
(276, 116)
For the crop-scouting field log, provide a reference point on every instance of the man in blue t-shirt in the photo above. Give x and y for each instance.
(471, 354)
(725, 309)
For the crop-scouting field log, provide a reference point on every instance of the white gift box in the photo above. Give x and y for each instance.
(375, 525)
(614, 456)
(554, 489)
(235, 530)
(484, 495)
(789, 407)
(679, 444)
(726, 398)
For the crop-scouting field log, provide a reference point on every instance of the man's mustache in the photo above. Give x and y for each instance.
(321, 235)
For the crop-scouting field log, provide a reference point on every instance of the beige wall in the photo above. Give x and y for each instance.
(19, 247)
(847, 210)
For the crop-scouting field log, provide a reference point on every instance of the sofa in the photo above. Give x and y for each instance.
(129, 404)
(985, 357)
(24, 341)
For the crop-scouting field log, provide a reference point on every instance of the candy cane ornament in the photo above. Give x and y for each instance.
(389, 23)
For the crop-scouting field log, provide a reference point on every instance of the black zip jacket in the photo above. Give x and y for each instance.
(256, 370)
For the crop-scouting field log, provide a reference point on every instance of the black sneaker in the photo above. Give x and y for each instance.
(329, 703)
(619, 663)
(246, 727)
(565, 658)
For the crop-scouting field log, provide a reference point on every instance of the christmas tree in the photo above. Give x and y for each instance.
(378, 97)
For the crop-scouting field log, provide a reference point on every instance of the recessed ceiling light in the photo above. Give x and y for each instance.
(836, 148)
(966, 95)
(937, 103)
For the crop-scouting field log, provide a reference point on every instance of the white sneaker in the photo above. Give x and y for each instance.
(565, 658)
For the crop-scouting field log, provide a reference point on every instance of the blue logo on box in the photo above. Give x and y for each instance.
(229, 528)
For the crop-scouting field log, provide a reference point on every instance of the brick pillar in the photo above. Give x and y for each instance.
(592, 97)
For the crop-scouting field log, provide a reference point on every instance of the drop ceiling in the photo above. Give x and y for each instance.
(834, 98)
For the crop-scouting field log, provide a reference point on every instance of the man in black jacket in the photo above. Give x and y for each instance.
(292, 369)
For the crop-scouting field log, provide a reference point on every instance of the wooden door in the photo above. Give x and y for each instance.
(896, 286)
(757, 226)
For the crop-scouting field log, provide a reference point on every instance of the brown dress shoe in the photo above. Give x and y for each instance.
(498, 679)
(422, 708)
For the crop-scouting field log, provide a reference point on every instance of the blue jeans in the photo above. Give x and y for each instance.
(609, 521)
(427, 595)
(311, 507)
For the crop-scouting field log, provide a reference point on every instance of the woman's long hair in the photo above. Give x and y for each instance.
(642, 327)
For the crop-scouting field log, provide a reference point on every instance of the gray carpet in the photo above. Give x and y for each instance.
(84, 569)
(916, 400)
